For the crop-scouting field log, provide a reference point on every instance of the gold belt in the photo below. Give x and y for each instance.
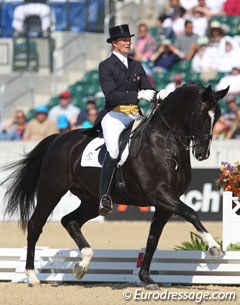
(127, 109)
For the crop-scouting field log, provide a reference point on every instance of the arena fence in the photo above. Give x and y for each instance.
(186, 267)
(231, 219)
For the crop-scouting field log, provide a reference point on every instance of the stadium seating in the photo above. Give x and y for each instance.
(25, 55)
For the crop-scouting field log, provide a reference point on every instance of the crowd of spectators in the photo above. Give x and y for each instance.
(187, 31)
(59, 119)
(192, 32)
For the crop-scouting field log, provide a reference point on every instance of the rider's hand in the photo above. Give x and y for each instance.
(147, 94)
(161, 95)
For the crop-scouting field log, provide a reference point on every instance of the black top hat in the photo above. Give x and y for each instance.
(119, 31)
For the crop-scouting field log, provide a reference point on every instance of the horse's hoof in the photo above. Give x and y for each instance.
(35, 284)
(33, 281)
(152, 287)
(79, 271)
(215, 251)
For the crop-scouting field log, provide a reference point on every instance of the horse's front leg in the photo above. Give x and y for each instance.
(158, 222)
(190, 215)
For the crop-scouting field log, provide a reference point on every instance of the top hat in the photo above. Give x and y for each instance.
(119, 31)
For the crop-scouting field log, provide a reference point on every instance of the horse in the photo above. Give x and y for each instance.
(156, 173)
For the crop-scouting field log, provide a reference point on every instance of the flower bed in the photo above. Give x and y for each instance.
(229, 180)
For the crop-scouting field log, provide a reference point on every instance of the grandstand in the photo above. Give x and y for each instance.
(35, 70)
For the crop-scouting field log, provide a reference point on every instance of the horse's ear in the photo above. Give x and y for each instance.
(220, 94)
(207, 91)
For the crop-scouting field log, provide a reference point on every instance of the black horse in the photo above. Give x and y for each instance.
(157, 172)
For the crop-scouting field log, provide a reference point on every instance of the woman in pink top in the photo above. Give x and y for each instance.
(145, 44)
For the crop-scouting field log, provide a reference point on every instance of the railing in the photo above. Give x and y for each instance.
(27, 89)
(63, 49)
(231, 219)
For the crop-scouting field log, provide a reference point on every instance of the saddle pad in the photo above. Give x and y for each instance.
(91, 152)
(90, 157)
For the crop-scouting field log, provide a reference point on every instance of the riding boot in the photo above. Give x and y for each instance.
(108, 170)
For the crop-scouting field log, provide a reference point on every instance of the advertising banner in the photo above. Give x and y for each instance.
(201, 195)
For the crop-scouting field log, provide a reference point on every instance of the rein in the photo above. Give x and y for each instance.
(173, 131)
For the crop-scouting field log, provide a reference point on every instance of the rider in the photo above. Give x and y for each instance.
(123, 82)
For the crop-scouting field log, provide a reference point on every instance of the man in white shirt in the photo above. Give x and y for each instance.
(232, 80)
(64, 108)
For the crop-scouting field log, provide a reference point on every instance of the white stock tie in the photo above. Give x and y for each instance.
(125, 62)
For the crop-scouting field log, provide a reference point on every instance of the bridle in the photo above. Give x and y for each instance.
(193, 135)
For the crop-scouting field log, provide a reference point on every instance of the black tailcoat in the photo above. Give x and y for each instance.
(119, 84)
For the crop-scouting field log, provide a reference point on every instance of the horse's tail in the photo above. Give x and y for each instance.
(21, 184)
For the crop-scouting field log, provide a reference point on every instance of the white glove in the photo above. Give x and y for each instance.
(162, 94)
(147, 94)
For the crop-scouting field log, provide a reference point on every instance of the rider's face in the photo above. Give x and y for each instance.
(122, 45)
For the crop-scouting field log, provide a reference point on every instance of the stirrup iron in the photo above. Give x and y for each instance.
(106, 205)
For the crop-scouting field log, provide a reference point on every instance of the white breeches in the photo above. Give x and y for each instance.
(113, 124)
(25, 10)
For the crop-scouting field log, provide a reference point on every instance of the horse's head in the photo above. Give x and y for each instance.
(205, 114)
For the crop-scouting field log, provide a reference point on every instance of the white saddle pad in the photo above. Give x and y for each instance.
(91, 152)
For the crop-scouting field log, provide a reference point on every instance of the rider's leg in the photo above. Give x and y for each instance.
(107, 174)
(113, 124)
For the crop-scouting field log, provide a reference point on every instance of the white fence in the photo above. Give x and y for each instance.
(231, 220)
(191, 267)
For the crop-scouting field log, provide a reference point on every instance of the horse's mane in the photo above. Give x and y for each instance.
(186, 91)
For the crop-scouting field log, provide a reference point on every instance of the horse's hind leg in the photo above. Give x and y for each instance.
(190, 215)
(73, 223)
(46, 202)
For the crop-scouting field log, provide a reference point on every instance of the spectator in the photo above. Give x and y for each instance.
(202, 7)
(9, 135)
(188, 4)
(200, 22)
(91, 118)
(234, 131)
(216, 7)
(82, 116)
(231, 7)
(220, 129)
(169, 8)
(173, 26)
(16, 125)
(29, 8)
(228, 54)
(215, 33)
(186, 43)
(65, 107)
(230, 115)
(165, 56)
(63, 124)
(40, 127)
(232, 80)
(205, 59)
(145, 44)
(177, 82)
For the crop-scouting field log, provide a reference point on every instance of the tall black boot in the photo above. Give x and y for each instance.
(108, 170)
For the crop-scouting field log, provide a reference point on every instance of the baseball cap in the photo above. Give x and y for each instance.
(62, 122)
(42, 109)
(65, 94)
